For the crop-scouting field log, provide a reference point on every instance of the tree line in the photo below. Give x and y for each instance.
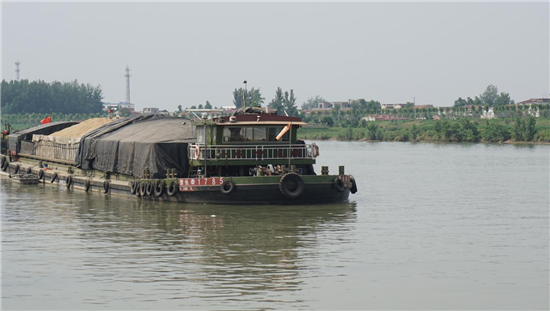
(462, 130)
(489, 98)
(26, 96)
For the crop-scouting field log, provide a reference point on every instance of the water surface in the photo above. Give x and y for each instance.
(433, 226)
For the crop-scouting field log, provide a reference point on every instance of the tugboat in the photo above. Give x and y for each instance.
(251, 157)
(255, 157)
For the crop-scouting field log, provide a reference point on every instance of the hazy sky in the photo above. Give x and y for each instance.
(187, 53)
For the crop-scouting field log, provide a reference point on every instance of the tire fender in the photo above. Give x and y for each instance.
(227, 187)
(160, 187)
(54, 177)
(106, 186)
(287, 182)
(338, 185)
(173, 188)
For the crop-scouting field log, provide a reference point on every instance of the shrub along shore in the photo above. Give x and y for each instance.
(518, 130)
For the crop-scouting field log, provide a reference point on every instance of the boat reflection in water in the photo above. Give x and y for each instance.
(208, 252)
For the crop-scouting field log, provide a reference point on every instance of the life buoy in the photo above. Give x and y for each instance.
(227, 187)
(316, 148)
(291, 185)
(353, 185)
(197, 152)
(106, 186)
(87, 184)
(16, 170)
(69, 181)
(173, 188)
(40, 174)
(150, 188)
(54, 177)
(339, 184)
(159, 188)
(133, 187)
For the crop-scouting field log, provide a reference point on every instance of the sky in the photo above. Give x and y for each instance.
(188, 53)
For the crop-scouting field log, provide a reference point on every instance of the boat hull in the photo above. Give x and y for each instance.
(318, 189)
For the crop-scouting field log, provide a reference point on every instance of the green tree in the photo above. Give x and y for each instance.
(277, 103)
(251, 98)
(254, 97)
(495, 132)
(328, 121)
(289, 104)
(207, 105)
(489, 96)
(42, 97)
(460, 102)
(503, 99)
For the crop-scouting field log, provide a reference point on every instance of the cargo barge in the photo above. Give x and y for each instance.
(251, 157)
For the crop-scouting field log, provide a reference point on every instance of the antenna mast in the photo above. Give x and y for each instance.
(17, 63)
(127, 75)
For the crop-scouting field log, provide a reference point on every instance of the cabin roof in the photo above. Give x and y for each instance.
(259, 119)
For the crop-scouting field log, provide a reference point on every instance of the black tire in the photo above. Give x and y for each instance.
(133, 187)
(54, 177)
(292, 185)
(16, 170)
(29, 170)
(142, 188)
(106, 186)
(227, 187)
(173, 188)
(87, 184)
(5, 165)
(339, 185)
(149, 190)
(4, 160)
(69, 181)
(138, 186)
(160, 186)
(40, 174)
(353, 185)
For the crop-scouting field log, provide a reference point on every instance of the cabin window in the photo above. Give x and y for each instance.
(274, 131)
(252, 133)
(200, 134)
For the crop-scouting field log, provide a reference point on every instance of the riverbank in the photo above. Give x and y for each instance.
(528, 130)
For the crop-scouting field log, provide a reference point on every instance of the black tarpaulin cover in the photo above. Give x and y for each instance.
(14, 140)
(129, 146)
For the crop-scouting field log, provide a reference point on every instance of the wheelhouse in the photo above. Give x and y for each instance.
(237, 145)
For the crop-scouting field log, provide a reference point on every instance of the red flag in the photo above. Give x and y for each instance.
(47, 119)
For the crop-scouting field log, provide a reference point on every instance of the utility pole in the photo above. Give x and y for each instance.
(244, 93)
(17, 63)
(127, 75)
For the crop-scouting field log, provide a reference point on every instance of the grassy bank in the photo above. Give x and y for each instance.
(462, 130)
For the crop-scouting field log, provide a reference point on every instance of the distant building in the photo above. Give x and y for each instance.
(537, 101)
(150, 110)
(117, 106)
(488, 114)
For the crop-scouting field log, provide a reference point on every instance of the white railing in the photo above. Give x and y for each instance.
(252, 152)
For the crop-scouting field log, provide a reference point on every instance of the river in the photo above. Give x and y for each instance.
(433, 226)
